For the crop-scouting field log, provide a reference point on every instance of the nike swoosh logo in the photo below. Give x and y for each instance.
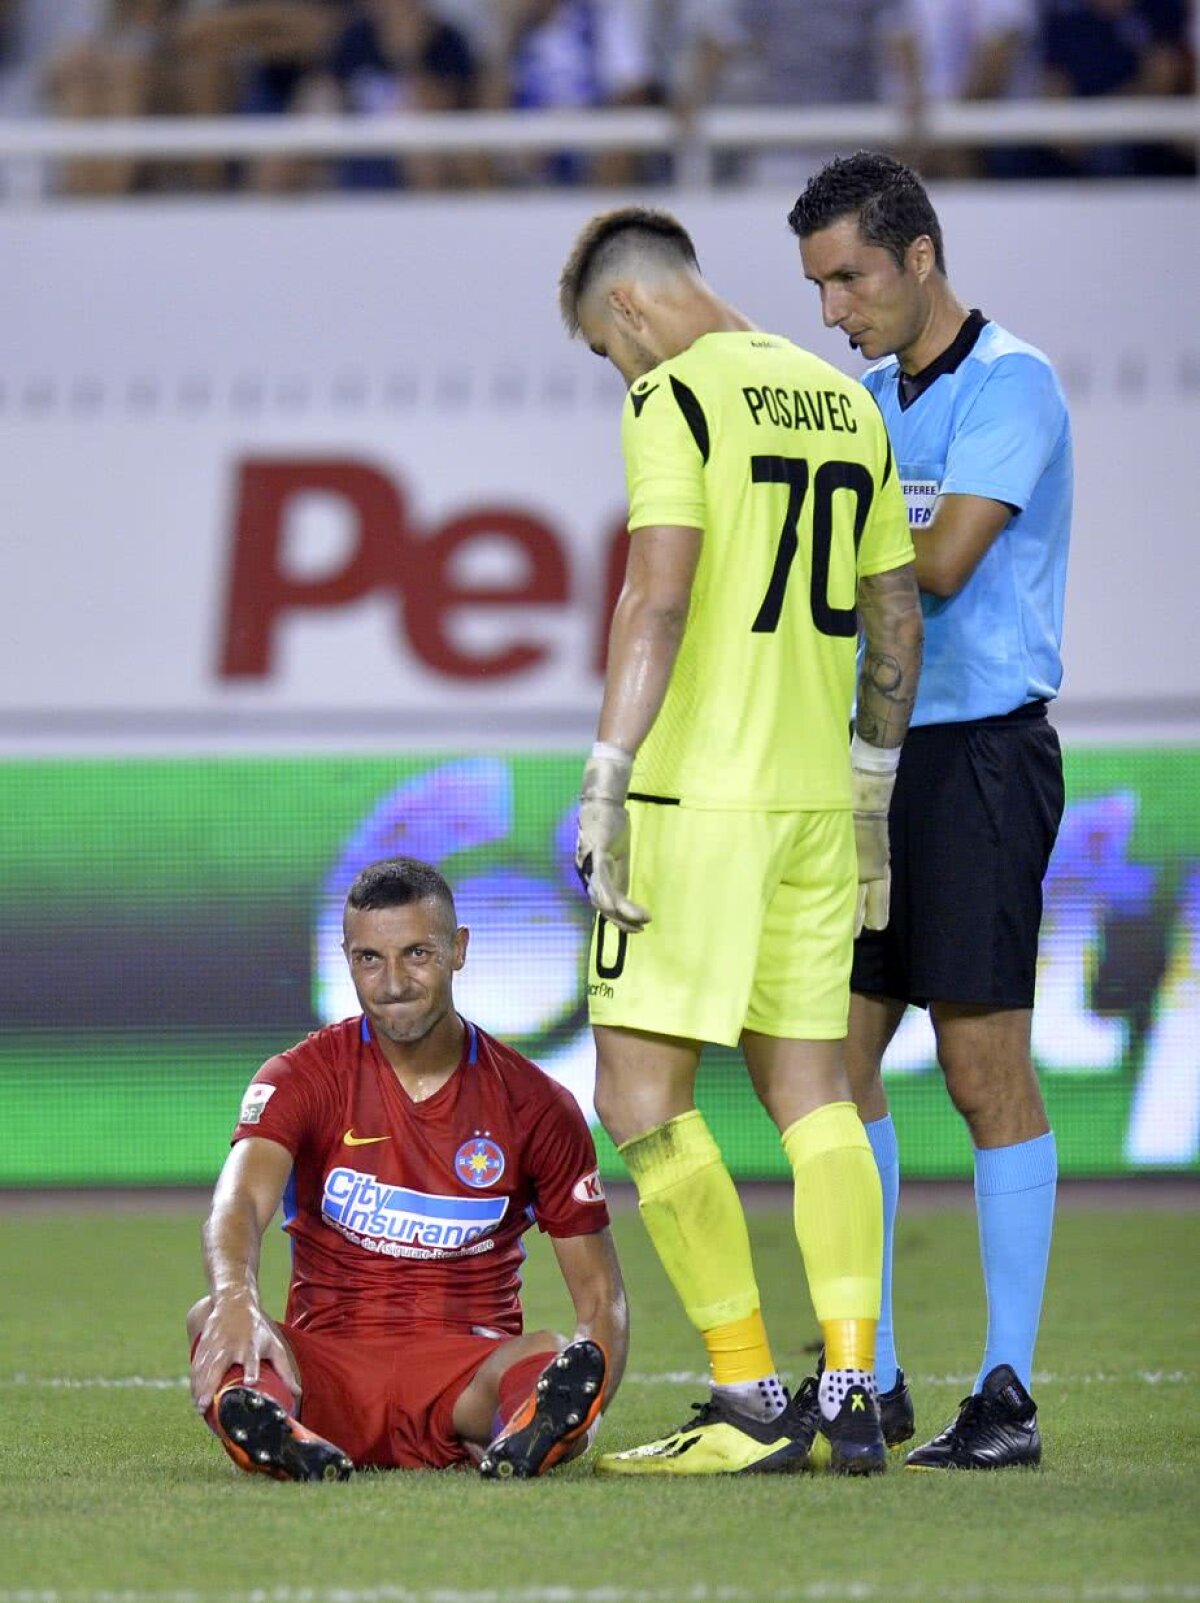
(352, 1140)
(640, 397)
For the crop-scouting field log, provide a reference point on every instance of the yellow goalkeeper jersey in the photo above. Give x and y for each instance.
(784, 464)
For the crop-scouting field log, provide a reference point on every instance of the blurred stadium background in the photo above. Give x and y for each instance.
(314, 516)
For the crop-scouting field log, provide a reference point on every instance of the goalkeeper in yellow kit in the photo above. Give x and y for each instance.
(721, 808)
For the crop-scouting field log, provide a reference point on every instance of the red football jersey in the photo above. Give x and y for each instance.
(410, 1214)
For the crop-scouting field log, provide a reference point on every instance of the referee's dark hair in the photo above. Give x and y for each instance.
(609, 241)
(887, 197)
(397, 882)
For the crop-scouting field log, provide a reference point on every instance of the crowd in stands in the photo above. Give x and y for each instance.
(132, 58)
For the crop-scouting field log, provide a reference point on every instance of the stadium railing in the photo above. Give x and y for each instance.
(695, 146)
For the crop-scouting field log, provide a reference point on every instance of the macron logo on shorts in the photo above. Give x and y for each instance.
(589, 1188)
(361, 1206)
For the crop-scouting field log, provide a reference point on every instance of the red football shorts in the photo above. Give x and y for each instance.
(388, 1402)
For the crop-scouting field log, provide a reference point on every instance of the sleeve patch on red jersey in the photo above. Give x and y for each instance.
(253, 1103)
(589, 1188)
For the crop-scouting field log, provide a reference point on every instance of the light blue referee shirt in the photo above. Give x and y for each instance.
(987, 418)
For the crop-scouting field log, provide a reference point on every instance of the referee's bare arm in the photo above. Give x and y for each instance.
(889, 613)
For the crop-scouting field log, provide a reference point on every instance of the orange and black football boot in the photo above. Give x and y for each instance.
(560, 1409)
(263, 1439)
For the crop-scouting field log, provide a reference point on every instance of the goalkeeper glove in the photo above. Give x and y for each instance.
(602, 846)
(872, 780)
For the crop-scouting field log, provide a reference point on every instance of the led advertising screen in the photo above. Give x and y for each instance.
(169, 924)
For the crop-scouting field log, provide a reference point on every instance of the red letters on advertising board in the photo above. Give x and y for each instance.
(389, 554)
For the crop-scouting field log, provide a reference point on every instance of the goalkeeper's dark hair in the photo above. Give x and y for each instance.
(888, 199)
(398, 882)
(613, 240)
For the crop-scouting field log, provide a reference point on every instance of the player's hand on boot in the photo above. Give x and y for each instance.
(602, 846)
(237, 1332)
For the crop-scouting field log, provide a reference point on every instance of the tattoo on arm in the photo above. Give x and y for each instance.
(889, 610)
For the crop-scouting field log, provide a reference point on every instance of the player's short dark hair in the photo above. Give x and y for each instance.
(887, 197)
(606, 237)
(397, 882)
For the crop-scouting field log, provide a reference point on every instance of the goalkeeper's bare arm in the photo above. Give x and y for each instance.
(889, 611)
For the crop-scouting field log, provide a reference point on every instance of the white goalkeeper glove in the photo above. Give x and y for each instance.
(602, 846)
(872, 780)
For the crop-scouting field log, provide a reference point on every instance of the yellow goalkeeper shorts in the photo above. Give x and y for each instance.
(752, 926)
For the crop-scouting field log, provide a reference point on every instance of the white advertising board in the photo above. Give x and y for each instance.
(336, 466)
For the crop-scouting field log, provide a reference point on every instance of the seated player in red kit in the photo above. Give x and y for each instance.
(411, 1152)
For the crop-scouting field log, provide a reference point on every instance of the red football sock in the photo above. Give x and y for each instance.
(270, 1382)
(516, 1383)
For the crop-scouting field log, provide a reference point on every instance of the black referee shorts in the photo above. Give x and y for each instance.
(973, 821)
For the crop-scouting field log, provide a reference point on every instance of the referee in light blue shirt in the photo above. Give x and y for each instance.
(982, 440)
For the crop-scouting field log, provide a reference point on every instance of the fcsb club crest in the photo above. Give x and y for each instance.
(479, 1162)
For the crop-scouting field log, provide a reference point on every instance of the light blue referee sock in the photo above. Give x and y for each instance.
(881, 1133)
(1014, 1197)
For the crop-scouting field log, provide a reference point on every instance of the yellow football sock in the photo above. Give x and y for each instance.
(849, 1344)
(839, 1225)
(695, 1220)
(739, 1352)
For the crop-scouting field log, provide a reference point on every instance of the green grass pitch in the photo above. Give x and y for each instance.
(112, 1492)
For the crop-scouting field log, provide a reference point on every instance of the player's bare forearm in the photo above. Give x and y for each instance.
(593, 1276)
(643, 646)
(232, 1243)
(610, 1327)
(247, 1194)
(889, 610)
(647, 629)
(236, 1330)
(608, 1323)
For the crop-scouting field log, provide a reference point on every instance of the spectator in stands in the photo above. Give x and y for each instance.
(32, 35)
(8, 30)
(780, 53)
(1118, 47)
(115, 69)
(255, 57)
(569, 54)
(400, 55)
(962, 50)
(377, 56)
